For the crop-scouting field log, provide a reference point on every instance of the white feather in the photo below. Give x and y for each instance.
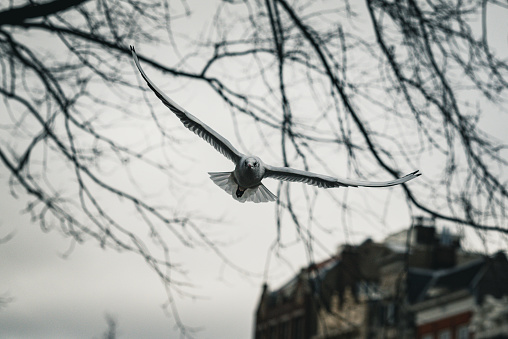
(226, 181)
(257, 194)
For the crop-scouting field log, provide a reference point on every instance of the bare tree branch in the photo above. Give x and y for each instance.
(300, 75)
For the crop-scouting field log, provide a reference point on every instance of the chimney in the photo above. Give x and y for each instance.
(445, 252)
(425, 229)
(422, 251)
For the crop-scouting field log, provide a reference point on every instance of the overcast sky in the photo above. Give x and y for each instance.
(55, 297)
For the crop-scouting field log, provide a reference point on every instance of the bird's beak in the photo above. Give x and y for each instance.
(249, 165)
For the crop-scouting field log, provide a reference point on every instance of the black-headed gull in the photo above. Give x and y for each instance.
(244, 183)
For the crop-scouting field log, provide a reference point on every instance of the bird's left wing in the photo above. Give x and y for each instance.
(220, 143)
(291, 174)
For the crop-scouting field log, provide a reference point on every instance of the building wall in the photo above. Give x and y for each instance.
(291, 326)
(290, 316)
(444, 310)
(373, 270)
(347, 321)
(451, 325)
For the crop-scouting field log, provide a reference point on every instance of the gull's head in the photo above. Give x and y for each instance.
(251, 163)
(249, 171)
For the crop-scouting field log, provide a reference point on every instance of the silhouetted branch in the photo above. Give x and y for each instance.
(299, 76)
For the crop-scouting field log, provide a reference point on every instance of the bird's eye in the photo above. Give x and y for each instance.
(256, 164)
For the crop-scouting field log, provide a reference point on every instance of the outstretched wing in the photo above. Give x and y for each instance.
(220, 143)
(291, 174)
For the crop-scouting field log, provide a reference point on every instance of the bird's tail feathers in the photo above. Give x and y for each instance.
(258, 194)
(226, 181)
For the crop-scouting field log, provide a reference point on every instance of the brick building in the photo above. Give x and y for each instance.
(449, 299)
(291, 310)
(382, 290)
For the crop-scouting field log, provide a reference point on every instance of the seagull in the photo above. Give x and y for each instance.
(244, 182)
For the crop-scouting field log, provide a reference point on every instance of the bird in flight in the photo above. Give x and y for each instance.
(244, 182)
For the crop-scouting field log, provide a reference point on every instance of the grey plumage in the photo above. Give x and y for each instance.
(244, 183)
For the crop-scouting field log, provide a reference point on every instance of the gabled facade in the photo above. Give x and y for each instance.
(291, 310)
(450, 298)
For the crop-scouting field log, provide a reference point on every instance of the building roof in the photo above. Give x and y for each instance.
(486, 275)
(311, 275)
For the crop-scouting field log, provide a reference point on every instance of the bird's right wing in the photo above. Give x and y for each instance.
(220, 143)
(291, 174)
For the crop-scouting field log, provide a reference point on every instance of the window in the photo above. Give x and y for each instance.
(284, 330)
(462, 332)
(390, 314)
(271, 332)
(445, 334)
(297, 330)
